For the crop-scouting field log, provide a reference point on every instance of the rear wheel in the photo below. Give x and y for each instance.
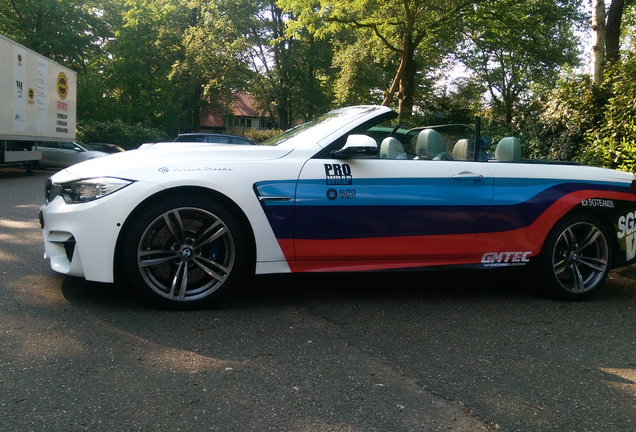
(182, 251)
(576, 257)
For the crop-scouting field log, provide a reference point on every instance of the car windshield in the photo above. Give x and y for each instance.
(319, 128)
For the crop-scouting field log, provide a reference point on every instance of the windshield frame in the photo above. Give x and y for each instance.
(326, 125)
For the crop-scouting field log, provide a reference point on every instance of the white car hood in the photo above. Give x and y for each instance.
(132, 163)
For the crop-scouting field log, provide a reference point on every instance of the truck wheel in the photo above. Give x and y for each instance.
(183, 251)
(576, 257)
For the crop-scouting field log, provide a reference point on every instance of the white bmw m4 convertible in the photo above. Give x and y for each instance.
(341, 193)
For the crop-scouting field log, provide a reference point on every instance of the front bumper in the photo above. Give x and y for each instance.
(80, 239)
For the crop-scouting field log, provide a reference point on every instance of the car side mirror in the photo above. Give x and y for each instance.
(357, 145)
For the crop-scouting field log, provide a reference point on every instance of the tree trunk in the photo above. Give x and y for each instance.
(407, 88)
(404, 82)
(598, 50)
(388, 98)
(613, 31)
(196, 108)
(283, 114)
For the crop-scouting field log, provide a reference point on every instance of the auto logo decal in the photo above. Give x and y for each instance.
(332, 194)
(164, 170)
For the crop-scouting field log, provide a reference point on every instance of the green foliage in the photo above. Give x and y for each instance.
(146, 43)
(414, 34)
(515, 44)
(578, 121)
(554, 124)
(612, 152)
(456, 102)
(117, 132)
(294, 76)
(612, 142)
(67, 31)
(260, 135)
(146, 66)
(364, 69)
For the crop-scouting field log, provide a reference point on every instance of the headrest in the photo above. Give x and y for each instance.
(508, 150)
(391, 148)
(460, 151)
(429, 144)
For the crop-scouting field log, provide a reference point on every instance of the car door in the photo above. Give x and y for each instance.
(68, 154)
(408, 210)
(50, 153)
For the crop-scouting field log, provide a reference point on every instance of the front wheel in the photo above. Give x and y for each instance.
(576, 257)
(183, 250)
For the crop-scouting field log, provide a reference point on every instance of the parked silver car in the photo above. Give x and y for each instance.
(58, 154)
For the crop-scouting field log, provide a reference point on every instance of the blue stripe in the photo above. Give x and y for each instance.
(420, 207)
(398, 192)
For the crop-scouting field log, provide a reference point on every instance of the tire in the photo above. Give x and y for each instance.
(576, 257)
(182, 251)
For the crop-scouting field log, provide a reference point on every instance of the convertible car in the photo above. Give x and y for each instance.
(341, 193)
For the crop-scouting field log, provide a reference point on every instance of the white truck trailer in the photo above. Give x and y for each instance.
(38, 100)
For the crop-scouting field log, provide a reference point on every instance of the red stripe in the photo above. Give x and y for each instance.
(426, 251)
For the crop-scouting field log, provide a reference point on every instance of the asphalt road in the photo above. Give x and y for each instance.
(426, 351)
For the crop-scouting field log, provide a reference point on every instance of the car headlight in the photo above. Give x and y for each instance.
(84, 190)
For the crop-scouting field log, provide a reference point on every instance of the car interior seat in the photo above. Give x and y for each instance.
(431, 145)
(391, 148)
(508, 150)
(460, 150)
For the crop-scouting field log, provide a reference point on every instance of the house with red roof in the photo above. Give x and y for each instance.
(242, 115)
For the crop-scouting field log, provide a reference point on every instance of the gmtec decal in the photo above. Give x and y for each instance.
(627, 228)
(505, 259)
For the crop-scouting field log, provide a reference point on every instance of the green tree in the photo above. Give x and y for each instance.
(166, 58)
(212, 62)
(363, 68)
(145, 44)
(612, 140)
(513, 45)
(290, 74)
(67, 31)
(554, 124)
(606, 33)
(408, 28)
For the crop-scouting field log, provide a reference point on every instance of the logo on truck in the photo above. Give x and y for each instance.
(62, 85)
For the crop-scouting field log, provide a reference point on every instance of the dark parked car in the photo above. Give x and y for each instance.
(213, 138)
(63, 154)
(210, 138)
(104, 147)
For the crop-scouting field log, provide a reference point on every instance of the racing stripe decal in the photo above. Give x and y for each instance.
(333, 237)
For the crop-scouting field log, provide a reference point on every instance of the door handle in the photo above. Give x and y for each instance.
(468, 176)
